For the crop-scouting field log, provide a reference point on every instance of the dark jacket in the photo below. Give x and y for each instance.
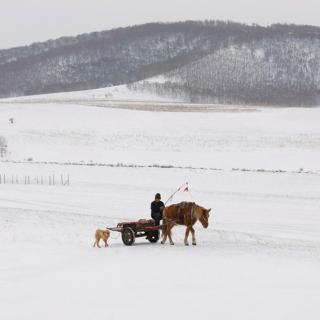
(156, 212)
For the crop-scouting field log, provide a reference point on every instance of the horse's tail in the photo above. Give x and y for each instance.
(164, 226)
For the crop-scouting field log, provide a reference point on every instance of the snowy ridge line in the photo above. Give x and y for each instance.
(141, 105)
(158, 166)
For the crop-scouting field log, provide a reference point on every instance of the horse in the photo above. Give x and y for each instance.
(184, 213)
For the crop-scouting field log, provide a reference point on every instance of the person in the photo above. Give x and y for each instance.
(157, 207)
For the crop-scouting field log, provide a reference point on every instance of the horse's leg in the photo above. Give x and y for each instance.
(193, 236)
(169, 235)
(186, 236)
(107, 245)
(164, 238)
(164, 235)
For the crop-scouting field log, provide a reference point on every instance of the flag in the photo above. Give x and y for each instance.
(183, 188)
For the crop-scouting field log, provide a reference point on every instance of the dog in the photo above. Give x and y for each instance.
(102, 234)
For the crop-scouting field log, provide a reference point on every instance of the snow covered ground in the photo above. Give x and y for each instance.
(259, 258)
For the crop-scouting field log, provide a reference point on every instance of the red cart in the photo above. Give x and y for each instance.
(141, 228)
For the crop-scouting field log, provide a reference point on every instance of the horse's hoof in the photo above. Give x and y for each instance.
(172, 243)
(162, 242)
(194, 244)
(186, 244)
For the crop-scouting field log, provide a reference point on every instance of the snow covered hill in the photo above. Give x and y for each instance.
(204, 62)
(108, 95)
(266, 72)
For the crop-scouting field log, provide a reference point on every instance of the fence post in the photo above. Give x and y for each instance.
(28, 180)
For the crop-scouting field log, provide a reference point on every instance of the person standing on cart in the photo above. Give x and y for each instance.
(157, 207)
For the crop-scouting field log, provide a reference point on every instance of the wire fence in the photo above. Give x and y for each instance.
(51, 180)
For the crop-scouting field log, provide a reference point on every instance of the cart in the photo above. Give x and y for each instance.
(141, 228)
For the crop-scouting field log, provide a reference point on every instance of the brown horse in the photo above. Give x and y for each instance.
(184, 213)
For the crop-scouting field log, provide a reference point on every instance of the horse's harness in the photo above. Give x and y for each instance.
(189, 206)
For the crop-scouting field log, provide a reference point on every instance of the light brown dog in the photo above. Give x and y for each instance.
(102, 234)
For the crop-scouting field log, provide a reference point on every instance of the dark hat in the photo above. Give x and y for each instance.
(158, 196)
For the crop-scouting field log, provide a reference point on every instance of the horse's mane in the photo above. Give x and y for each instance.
(200, 207)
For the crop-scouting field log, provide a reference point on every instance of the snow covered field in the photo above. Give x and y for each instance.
(273, 139)
(259, 258)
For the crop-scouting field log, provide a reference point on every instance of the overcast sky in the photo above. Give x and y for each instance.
(26, 21)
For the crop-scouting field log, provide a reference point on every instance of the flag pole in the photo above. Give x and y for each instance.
(186, 185)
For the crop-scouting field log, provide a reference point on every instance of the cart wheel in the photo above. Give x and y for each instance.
(153, 236)
(128, 236)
